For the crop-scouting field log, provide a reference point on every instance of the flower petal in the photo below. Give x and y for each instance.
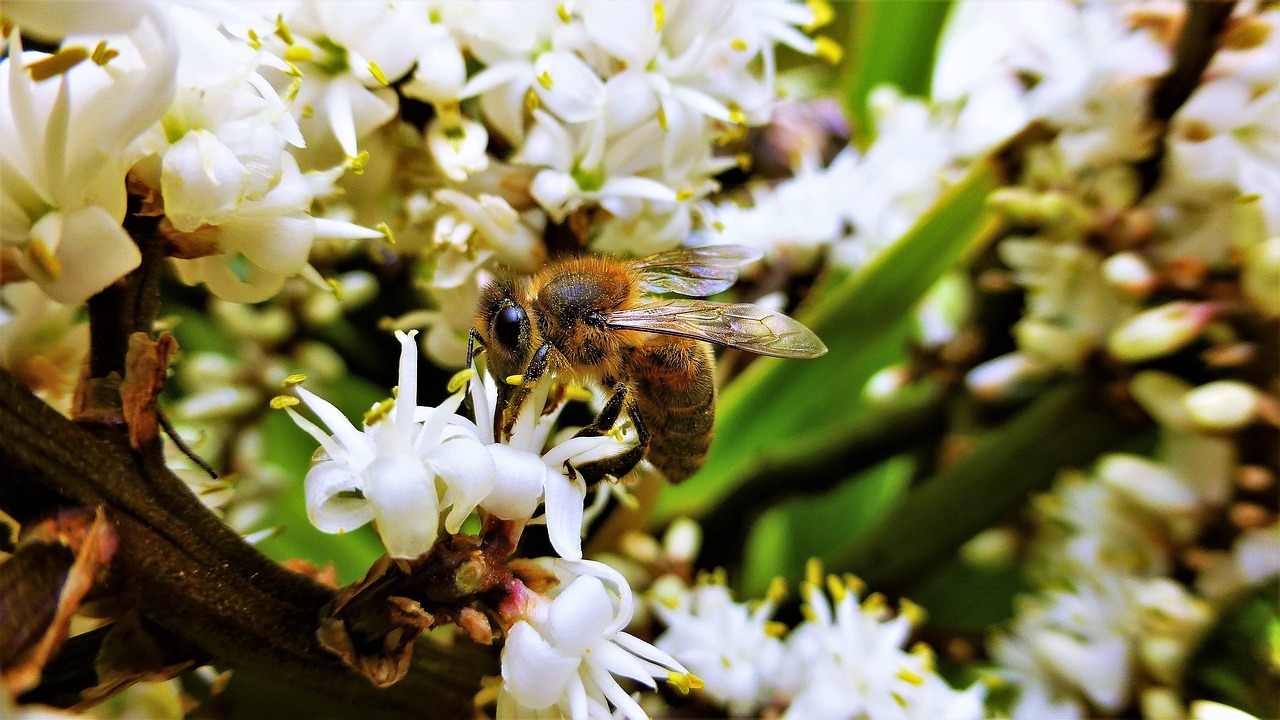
(536, 673)
(564, 499)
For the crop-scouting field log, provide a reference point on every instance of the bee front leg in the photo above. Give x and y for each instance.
(514, 397)
(621, 464)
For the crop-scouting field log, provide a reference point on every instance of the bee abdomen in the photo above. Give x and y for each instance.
(676, 396)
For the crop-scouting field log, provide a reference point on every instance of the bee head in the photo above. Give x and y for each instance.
(505, 327)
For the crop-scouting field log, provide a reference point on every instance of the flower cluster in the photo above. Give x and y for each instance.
(846, 660)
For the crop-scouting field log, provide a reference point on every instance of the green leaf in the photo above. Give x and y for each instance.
(788, 535)
(865, 320)
(1238, 661)
(962, 597)
(891, 42)
(1066, 427)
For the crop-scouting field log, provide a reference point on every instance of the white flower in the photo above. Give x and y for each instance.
(42, 342)
(846, 661)
(269, 239)
(403, 470)
(458, 146)
(63, 145)
(733, 648)
(562, 656)
(527, 476)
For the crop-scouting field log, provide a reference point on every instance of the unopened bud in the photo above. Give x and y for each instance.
(1006, 377)
(1015, 203)
(206, 370)
(320, 360)
(321, 308)
(359, 287)
(1260, 277)
(683, 540)
(1161, 703)
(991, 548)
(1160, 395)
(885, 385)
(1147, 483)
(1209, 710)
(1159, 331)
(1052, 343)
(1129, 273)
(1222, 405)
(221, 404)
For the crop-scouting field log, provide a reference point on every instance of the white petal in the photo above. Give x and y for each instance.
(469, 475)
(94, 252)
(405, 504)
(627, 29)
(564, 508)
(202, 181)
(328, 512)
(518, 486)
(578, 616)
(534, 672)
(576, 93)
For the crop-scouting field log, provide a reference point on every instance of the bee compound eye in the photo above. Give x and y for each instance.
(507, 325)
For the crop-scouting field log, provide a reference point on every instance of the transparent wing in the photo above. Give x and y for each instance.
(736, 325)
(696, 272)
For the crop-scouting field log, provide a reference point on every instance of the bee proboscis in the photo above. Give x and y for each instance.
(600, 320)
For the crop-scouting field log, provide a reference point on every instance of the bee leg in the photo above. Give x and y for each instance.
(514, 397)
(473, 339)
(623, 463)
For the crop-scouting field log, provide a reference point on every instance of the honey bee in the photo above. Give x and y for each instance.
(598, 320)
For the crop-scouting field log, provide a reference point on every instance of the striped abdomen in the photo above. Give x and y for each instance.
(675, 392)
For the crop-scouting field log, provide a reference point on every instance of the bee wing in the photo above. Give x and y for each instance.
(696, 272)
(736, 325)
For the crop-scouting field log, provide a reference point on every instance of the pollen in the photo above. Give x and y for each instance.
(358, 162)
(736, 116)
(102, 54)
(828, 49)
(813, 572)
(910, 677)
(545, 80)
(298, 53)
(280, 402)
(662, 119)
(58, 63)
(775, 629)
(255, 42)
(460, 379)
(577, 392)
(684, 195)
(514, 379)
(836, 589)
(44, 259)
(684, 682)
(334, 286)
(738, 44)
(531, 101)
(282, 30)
(659, 16)
(378, 412)
(777, 589)
(563, 12)
(823, 14)
(385, 229)
(293, 379)
(378, 75)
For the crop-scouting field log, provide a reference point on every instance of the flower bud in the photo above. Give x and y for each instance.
(1260, 277)
(1161, 703)
(1129, 273)
(206, 370)
(1209, 710)
(1159, 331)
(1222, 405)
(320, 360)
(991, 548)
(1160, 395)
(358, 288)
(221, 404)
(1008, 376)
(1147, 483)
(885, 385)
(320, 308)
(683, 540)
(1052, 343)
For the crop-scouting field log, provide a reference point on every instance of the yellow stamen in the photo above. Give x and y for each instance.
(255, 42)
(808, 613)
(563, 12)
(910, 677)
(281, 402)
(913, 612)
(684, 682)
(777, 589)
(823, 14)
(577, 392)
(293, 70)
(738, 44)
(736, 116)
(103, 54)
(854, 583)
(298, 53)
(744, 161)
(875, 602)
(545, 80)
(282, 30)
(515, 379)
(335, 286)
(719, 226)
(775, 629)
(836, 589)
(460, 380)
(379, 411)
(659, 16)
(684, 195)
(358, 162)
(626, 499)
(828, 49)
(293, 379)
(44, 259)
(58, 63)
(377, 74)
(662, 119)
(385, 229)
(813, 572)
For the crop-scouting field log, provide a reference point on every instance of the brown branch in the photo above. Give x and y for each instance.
(180, 567)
